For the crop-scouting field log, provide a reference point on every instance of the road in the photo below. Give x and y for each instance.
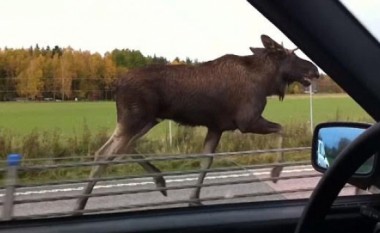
(226, 192)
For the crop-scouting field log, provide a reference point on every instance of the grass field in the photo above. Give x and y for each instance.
(62, 129)
(70, 117)
(326, 107)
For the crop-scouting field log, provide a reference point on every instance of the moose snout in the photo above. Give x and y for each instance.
(313, 73)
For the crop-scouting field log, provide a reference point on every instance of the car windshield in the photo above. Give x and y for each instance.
(59, 66)
(366, 12)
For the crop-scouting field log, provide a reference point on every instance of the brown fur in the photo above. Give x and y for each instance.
(227, 93)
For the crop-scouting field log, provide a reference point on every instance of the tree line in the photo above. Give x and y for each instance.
(66, 74)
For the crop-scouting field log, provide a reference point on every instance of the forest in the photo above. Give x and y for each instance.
(56, 73)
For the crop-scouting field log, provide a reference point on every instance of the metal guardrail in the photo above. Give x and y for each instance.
(171, 173)
(155, 158)
(10, 182)
(14, 167)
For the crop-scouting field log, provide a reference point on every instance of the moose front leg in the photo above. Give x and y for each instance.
(210, 144)
(277, 169)
(263, 126)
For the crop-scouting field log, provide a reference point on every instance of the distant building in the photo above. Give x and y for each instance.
(314, 88)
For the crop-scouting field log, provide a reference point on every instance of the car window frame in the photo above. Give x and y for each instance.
(330, 52)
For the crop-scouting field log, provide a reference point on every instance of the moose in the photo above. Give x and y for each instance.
(225, 94)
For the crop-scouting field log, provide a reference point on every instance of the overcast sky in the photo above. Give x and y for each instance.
(202, 29)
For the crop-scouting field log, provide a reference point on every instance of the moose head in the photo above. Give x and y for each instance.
(291, 68)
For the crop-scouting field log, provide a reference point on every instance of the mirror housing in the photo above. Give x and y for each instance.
(329, 139)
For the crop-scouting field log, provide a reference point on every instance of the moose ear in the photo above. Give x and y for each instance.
(257, 51)
(271, 45)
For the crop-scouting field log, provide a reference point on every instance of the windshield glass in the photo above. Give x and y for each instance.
(367, 13)
(64, 110)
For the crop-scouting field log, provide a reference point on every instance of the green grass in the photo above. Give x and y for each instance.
(69, 117)
(23, 117)
(66, 117)
(325, 108)
(56, 130)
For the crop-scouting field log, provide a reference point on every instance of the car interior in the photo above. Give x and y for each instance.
(339, 44)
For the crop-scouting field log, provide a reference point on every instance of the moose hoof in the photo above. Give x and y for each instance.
(195, 203)
(164, 192)
(77, 214)
(275, 173)
(160, 183)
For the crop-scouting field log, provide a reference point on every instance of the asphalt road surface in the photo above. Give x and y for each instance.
(147, 200)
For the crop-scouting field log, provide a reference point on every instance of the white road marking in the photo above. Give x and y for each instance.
(178, 180)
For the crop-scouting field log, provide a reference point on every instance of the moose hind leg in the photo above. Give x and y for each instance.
(119, 143)
(105, 153)
(210, 144)
(146, 165)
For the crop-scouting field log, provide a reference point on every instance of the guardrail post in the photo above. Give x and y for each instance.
(13, 162)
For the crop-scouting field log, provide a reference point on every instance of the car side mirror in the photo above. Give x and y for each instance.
(329, 139)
